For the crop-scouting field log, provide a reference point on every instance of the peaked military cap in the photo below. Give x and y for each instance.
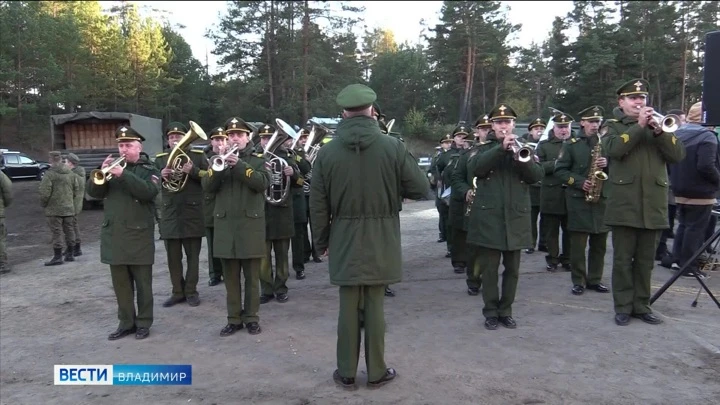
(266, 130)
(236, 124)
(483, 121)
(126, 133)
(502, 112)
(306, 130)
(175, 128)
(461, 129)
(562, 119)
(218, 132)
(634, 86)
(537, 122)
(73, 158)
(54, 154)
(593, 113)
(446, 138)
(355, 96)
(378, 113)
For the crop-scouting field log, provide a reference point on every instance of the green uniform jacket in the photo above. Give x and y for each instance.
(240, 207)
(500, 213)
(573, 167)
(279, 219)
(297, 190)
(358, 181)
(58, 191)
(461, 181)
(208, 199)
(552, 193)
(456, 213)
(6, 196)
(181, 214)
(127, 235)
(80, 171)
(638, 184)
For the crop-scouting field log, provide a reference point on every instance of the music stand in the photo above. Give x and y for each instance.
(682, 270)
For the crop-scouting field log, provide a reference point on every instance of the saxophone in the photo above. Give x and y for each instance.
(473, 191)
(596, 176)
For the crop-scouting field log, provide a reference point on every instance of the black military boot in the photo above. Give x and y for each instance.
(77, 251)
(69, 253)
(56, 259)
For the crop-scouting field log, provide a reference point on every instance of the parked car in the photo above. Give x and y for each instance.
(424, 163)
(18, 165)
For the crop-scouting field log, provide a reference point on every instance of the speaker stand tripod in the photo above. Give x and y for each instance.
(684, 268)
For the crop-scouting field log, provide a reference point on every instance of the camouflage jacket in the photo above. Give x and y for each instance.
(6, 196)
(58, 191)
(80, 171)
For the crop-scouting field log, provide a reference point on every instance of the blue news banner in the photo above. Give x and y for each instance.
(124, 374)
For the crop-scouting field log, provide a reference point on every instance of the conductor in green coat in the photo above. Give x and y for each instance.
(499, 222)
(586, 219)
(358, 181)
(128, 232)
(239, 239)
(638, 150)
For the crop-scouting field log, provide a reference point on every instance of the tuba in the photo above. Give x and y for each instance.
(596, 176)
(101, 176)
(279, 190)
(178, 158)
(315, 140)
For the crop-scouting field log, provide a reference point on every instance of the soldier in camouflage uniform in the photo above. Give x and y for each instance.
(73, 162)
(181, 220)
(279, 225)
(58, 191)
(6, 198)
(535, 131)
(127, 233)
(218, 141)
(552, 194)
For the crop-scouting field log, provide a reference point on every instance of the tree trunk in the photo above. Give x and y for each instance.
(269, 33)
(684, 61)
(306, 51)
(538, 97)
(468, 82)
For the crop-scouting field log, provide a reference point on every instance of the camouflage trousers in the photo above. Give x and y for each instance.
(58, 227)
(3, 252)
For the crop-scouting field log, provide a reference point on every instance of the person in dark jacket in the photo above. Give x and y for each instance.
(356, 222)
(694, 181)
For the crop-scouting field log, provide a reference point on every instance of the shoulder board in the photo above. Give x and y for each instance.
(161, 154)
(197, 151)
(257, 154)
(572, 140)
(611, 120)
(483, 143)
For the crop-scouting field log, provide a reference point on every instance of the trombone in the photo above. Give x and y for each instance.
(101, 176)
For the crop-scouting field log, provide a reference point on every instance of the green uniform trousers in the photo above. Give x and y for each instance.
(126, 279)
(76, 230)
(3, 248)
(580, 274)
(58, 227)
(633, 254)
(215, 270)
(251, 269)
(473, 270)
(271, 282)
(553, 225)
(298, 246)
(367, 300)
(495, 304)
(183, 286)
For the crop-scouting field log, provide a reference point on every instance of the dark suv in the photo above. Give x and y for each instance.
(18, 165)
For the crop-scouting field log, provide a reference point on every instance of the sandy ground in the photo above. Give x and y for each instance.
(566, 349)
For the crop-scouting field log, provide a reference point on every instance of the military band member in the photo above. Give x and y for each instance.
(128, 232)
(181, 219)
(58, 191)
(350, 211)
(6, 198)
(552, 194)
(218, 141)
(300, 206)
(73, 162)
(279, 226)
(441, 163)
(435, 182)
(638, 152)
(239, 239)
(455, 202)
(499, 222)
(586, 220)
(535, 131)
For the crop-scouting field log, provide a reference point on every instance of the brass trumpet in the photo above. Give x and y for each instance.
(521, 153)
(101, 176)
(218, 163)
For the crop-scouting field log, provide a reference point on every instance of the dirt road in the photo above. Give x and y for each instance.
(566, 349)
